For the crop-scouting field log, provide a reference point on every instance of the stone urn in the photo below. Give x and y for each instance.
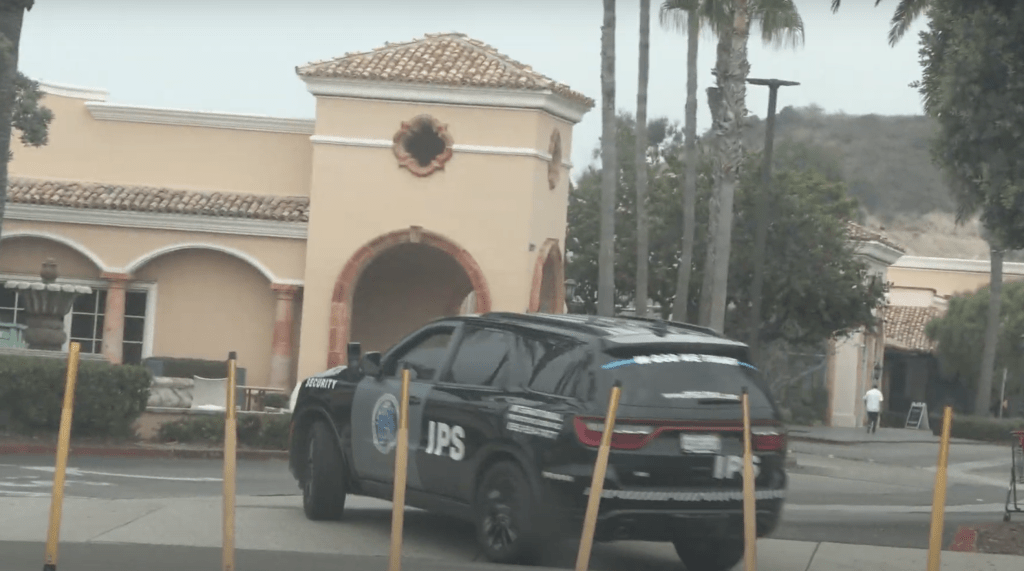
(46, 304)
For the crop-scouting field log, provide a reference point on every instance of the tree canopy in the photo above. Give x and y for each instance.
(30, 117)
(814, 285)
(959, 336)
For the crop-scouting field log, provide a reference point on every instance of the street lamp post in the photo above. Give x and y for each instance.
(761, 233)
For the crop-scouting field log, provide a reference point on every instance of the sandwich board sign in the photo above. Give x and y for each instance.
(917, 418)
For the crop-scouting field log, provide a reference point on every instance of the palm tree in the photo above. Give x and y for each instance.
(609, 168)
(907, 11)
(642, 231)
(780, 24)
(12, 14)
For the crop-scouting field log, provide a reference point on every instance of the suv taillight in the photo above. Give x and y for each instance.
(768, 438)
(624, 436)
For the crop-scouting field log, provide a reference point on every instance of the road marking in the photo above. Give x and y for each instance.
(976, 508)
(78, 472)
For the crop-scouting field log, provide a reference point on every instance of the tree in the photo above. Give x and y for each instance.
(814, 284)
(640, 156)
(975, 98)
(606, 280)
(907, 12)
(959, 336)
(779, 23)
(19, 96)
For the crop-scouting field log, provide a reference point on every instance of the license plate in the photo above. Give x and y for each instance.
(700, 443)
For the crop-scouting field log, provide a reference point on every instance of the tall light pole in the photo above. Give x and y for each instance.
(761, 215)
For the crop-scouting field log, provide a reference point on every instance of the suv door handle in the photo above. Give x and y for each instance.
(414, 400)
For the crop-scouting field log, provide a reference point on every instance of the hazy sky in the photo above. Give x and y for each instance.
(240, 55)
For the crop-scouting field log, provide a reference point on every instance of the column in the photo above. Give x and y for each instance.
(113, 317)
(284, 322)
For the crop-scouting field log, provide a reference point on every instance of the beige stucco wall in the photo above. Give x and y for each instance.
(84, 149)
(285, 258)
(24, 255)
(485, 203)
(209, 304)
(944, 282)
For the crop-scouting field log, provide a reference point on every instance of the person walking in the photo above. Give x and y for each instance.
(873, 404)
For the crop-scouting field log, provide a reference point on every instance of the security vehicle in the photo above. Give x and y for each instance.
(505, 418)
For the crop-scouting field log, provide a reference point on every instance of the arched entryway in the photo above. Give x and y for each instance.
(398, 282)
(547, 294)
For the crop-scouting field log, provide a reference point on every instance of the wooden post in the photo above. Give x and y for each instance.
(401, 470)
(61, 466)
(230, 449)
(597, 481)
(749, 497)
(939, 497)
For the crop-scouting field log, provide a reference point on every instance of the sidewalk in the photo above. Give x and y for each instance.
(843, 435)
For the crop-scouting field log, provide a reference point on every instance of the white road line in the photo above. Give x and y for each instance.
(78, 472)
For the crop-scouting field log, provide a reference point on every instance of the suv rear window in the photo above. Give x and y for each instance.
(680, 380)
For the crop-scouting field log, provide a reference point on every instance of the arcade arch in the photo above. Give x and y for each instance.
(547, 294)
(398, 282)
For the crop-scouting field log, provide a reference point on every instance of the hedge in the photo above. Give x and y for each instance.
(985, 429)
(108, 398)
(268, 432)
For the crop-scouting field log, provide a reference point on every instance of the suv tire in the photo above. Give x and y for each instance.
(504, 515)
(326, 477)
(709, 554)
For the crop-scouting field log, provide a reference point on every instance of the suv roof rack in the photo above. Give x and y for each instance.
(667, 322)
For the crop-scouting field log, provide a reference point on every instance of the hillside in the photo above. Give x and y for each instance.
(886, 164)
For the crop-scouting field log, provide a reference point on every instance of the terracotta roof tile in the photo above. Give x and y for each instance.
(862, 234)
(447, 59)
(100, 196)
(904, 327)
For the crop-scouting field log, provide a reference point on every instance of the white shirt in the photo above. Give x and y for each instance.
(873, 400)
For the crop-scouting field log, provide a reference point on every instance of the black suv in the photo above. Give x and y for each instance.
(505, 418)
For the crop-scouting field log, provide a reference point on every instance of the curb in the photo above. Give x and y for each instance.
(143, 452)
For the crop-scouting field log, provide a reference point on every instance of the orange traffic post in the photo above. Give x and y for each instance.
(597, 481)
(230, 449)
(939, 496)
(61, 465)
(401, 468)
(749, 498)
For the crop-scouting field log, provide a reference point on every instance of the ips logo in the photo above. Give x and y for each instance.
(443, 438)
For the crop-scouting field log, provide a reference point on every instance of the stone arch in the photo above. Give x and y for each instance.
(547, 292)
(345, 287)
(245, 257)
(101, 266)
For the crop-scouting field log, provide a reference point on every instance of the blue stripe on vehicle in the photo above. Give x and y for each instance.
(615, 364)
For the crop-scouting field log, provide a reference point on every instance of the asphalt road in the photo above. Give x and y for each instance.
(890, 510)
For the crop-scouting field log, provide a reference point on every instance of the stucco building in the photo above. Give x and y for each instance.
(432, 179)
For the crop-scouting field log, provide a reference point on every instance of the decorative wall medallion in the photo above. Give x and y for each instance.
(555, 164)
(423, 145)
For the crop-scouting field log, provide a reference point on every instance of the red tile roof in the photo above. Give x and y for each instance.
(859, 233)
(101, 196)
(905, 325)
(444, 59)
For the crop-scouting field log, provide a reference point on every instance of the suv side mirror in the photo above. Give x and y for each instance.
(371, 363)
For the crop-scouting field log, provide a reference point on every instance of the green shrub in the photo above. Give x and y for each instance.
(985, 429)
(108, 398)
(268, 432)
(276, 400)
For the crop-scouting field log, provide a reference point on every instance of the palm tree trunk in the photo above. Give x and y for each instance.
(714, 204)
(609, 166)
(12, 15)
(988, 354)
(731, 75)
(680, 309)
(642, 231)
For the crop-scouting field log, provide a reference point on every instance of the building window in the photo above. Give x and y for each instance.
(12, 307)
(84, 323)
(87, 321)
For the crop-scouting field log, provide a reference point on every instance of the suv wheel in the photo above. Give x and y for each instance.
(709, 555)
(505, 527)
(326, 478)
